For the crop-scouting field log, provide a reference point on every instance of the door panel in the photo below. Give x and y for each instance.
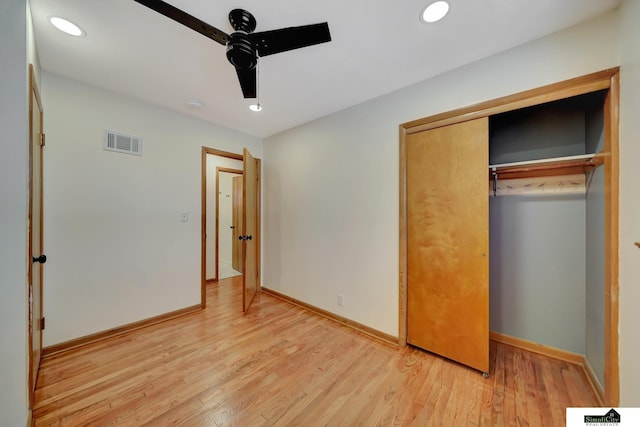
(448, 242)
(236, 246)
(35, 233)
(250, 230)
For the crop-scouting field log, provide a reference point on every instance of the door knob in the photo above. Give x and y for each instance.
(41, 259)
(245, 237)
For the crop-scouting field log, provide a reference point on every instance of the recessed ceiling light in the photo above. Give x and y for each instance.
(255, 107)
(67, 26)
(435, 11)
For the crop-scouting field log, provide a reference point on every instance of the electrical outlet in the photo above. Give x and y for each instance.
(184, 216)
(341, 300)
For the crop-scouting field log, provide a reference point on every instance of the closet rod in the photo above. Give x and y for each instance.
(549, 167)
(542, 161)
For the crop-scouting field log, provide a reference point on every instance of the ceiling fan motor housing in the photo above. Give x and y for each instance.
(241, 52)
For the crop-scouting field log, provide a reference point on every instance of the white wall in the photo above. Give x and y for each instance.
(629, 203)
(15, 53)
(595, 254)
(331, 186)
(32, 49)
(117, 250)
(537, 280)
(539, 243)
(594, 296)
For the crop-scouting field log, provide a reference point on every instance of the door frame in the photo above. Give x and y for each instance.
(607, 79)
(218, 170)
(33, 91)
(203, 217)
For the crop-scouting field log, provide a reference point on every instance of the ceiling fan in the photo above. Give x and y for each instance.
(244, 46)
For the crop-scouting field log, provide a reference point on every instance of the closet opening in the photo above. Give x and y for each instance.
(542, 239)
(547, 227)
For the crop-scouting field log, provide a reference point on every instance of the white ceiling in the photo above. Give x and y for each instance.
(377, 46)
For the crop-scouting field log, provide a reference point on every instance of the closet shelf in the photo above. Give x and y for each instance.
(568, 165)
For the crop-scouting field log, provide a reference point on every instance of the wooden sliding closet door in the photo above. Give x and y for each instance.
(448, 242)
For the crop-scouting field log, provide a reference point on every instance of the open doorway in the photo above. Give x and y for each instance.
(215, 162)
(230, 234)
(229, 209)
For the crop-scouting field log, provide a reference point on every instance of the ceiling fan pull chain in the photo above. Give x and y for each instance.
(259, 106)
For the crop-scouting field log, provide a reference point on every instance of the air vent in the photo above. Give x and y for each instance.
(121, 143)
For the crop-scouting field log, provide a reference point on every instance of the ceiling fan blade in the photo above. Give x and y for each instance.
(284, 39)
(187, 20)
(247, 80)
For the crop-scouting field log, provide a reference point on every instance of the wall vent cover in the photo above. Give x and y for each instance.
(122, 143)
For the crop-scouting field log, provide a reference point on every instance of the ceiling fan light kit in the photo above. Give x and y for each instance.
(244, 47)
(435, 12)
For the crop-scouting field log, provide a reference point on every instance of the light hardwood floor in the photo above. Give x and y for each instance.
(280, 365)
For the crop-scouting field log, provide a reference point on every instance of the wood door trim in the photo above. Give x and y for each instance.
(594, 382)
(403, 252)
(606, 79)
(554, 353)
(218, 170)
(553, 92)
(534, 347)
(611, 224)
(203, 215)
(221, 153)
(120, 330)
(390, 339)
(258, 223)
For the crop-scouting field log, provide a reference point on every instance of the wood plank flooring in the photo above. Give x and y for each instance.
(282, 366)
